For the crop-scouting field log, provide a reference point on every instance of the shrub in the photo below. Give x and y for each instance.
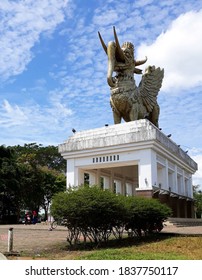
(145, 215)
(93, 214)
(89, 211)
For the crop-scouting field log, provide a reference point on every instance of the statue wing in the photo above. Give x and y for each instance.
(150, 85)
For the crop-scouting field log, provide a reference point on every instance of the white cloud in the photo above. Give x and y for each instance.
(14, 115)
(178, 51)
(110, 17)
(21, 24)
(81, 95)
(32, 121)
(59, 107)
(197, 157)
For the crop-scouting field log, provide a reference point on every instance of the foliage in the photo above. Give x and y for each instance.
(37, 155)
(9, 185)
(29, 176)
(145, 215)
(52, 182)
(89, 212)
(198, 200)
(96, 215)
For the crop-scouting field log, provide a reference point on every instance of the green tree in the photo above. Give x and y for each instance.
(37, 155)
(29, 176)
(198, 200)
(53, 182)
(42, 170)
(31, 187)
(9, 186)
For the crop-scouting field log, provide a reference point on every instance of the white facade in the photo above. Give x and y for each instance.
(128, 158)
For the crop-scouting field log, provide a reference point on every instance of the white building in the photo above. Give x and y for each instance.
(133, 158)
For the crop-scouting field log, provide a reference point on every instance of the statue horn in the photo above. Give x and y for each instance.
(140, 62)
(102, 42)
(119, 51)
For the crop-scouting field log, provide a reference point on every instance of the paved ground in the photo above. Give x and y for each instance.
(31, 238)
(187, 230)
(36, 238)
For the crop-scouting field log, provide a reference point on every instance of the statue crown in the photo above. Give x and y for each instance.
(128, 45)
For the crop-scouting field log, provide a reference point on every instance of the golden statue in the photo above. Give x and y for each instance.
(127, 100)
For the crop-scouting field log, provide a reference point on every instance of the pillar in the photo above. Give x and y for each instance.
(97, 180)
(70, 173)
(147, 169)
(106, 183)
(111, 182)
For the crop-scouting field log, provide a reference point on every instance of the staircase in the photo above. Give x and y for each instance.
(184, 222)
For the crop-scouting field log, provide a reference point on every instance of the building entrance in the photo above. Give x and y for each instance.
(120, 180)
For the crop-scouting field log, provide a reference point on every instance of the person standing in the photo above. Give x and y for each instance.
(34, 217)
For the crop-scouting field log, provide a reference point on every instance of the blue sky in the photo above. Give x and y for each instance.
(53, 68)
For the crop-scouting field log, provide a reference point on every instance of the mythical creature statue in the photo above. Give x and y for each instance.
(127, 100)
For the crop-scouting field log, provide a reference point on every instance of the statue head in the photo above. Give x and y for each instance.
(118, 55)
(128, 45)
(128, 50)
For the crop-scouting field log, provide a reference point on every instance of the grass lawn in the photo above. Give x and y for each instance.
(158, 247)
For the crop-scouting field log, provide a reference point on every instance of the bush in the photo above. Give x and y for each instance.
(145, 215)
(93, 214)
(89, 211)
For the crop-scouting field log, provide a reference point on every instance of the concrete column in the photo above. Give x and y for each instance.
(70, 173)
(118, 187)
(97, 180)
(181, 206)
(129, 191)
(147, 170)
(106, 182)
(166, 176)
(123, 186)
(153, 168)
(190, 184)
(111, 182)
(92, 178)
(178, 208)
(173, 204)
(185, 208)
(175, 180)
(79, 177)
(186, 185)
(183, 183)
